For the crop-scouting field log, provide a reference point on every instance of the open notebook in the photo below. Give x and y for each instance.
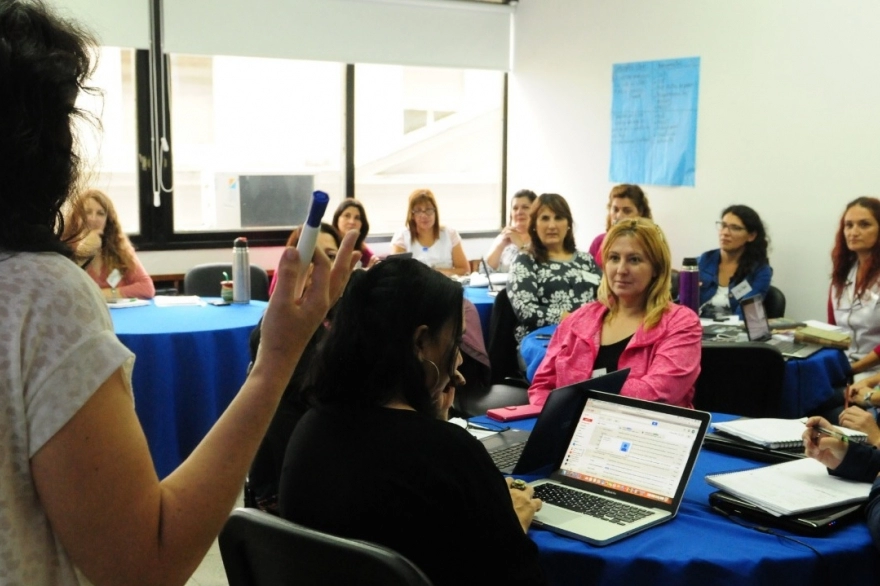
(774, 433)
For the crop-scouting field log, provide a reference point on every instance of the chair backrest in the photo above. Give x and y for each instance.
(259, 549)
(502, 347)
(204, 280)
(743, 378)
(774, 302)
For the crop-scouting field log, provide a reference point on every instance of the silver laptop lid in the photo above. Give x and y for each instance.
(640, 451)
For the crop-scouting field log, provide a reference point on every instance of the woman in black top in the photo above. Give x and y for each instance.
(376, 460)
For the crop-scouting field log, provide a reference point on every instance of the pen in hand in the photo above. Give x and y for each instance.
(832, 433)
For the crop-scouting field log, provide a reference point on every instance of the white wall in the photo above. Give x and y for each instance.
(787, 122)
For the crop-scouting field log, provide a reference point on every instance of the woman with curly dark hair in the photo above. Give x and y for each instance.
(740, 267)
(82, 502)
(105, 252)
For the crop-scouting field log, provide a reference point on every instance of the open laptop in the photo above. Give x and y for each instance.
(758, 330)
(515, 451)
(486, 278)
(813, 523)
(626, 468)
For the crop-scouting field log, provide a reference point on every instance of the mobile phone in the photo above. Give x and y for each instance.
(514, 412)
(219, 302)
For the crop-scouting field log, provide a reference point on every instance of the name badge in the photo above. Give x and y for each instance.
(741, 290)
(114, 277)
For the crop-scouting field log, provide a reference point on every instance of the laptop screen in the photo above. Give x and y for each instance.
(633, 450)
(755, 317)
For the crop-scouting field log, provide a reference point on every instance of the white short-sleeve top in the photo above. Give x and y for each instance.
(438, 255)
(57, 347)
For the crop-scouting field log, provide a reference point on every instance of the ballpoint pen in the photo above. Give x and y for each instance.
(832, 433)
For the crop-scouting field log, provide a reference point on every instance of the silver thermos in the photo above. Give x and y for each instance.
(241, 272)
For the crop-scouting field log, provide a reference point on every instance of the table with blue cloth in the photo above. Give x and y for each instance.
(483, 299)
(190, 361)
(701, 548)
(808, 382)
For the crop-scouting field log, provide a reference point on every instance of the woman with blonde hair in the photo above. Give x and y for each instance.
(437, 246)
(634, 325)
(103, 249)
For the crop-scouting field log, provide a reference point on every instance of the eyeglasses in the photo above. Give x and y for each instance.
(427, 212)
(733, 228)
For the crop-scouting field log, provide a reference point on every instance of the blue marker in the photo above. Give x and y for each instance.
(309, 237)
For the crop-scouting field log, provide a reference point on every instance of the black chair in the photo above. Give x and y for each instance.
(259, 549)
(774, 303)
(502, 346)
(204, 280)
(740, 379)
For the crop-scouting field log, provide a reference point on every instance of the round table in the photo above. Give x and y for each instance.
(190, 361)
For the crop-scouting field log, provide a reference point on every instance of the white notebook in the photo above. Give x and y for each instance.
(791, 487)
(776, 433)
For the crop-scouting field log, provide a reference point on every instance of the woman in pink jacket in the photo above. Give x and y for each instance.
(634, 325)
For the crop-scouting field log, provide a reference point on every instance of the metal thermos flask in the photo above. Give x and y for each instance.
(689, 284)
(241, 272)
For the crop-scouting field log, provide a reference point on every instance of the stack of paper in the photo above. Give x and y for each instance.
(127, 302)
(791, 487)
(176, 300)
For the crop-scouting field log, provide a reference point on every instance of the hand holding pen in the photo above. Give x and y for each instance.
(824, 443)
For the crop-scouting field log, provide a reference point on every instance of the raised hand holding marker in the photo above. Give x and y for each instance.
(309, 237)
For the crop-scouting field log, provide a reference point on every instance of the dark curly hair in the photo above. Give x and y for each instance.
(755, 253)
(44, 64)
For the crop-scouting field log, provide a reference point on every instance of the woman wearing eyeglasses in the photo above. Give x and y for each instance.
(437, 246)
(740, 267)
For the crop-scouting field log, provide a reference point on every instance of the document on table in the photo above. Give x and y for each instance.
(177, 300)
(791, 487)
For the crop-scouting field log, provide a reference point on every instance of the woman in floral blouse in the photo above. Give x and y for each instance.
(554, 278)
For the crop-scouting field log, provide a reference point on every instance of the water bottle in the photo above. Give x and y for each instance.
(241, 272)
(689, 284)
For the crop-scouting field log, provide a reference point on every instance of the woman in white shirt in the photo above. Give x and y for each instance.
(437, 246)
(514, 238)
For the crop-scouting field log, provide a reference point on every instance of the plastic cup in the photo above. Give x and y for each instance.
(226, 291)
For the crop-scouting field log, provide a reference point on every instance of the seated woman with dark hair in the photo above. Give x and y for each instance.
(328, 240)
(554, 278)
(634, 325)
(375, 458)
(740, 267)
(265, 472)
(351, 215)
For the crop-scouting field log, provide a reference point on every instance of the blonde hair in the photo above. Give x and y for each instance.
(651, 239)
(117, 251)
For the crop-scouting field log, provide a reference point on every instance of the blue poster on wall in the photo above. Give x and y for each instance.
(654, 122)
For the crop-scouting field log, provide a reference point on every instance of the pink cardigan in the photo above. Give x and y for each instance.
(136, 282)
(664, 361)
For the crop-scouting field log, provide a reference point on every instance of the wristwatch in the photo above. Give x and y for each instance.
(868, 404)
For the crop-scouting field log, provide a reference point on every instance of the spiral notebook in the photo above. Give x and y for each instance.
(775, 433)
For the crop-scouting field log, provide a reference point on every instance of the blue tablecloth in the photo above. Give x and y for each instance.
(701, 548)
(808, 382)
(190, 363)
(481, 298)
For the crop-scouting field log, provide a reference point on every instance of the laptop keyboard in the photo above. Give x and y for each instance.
(591, 505)
(508, 457)
(787, 347)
